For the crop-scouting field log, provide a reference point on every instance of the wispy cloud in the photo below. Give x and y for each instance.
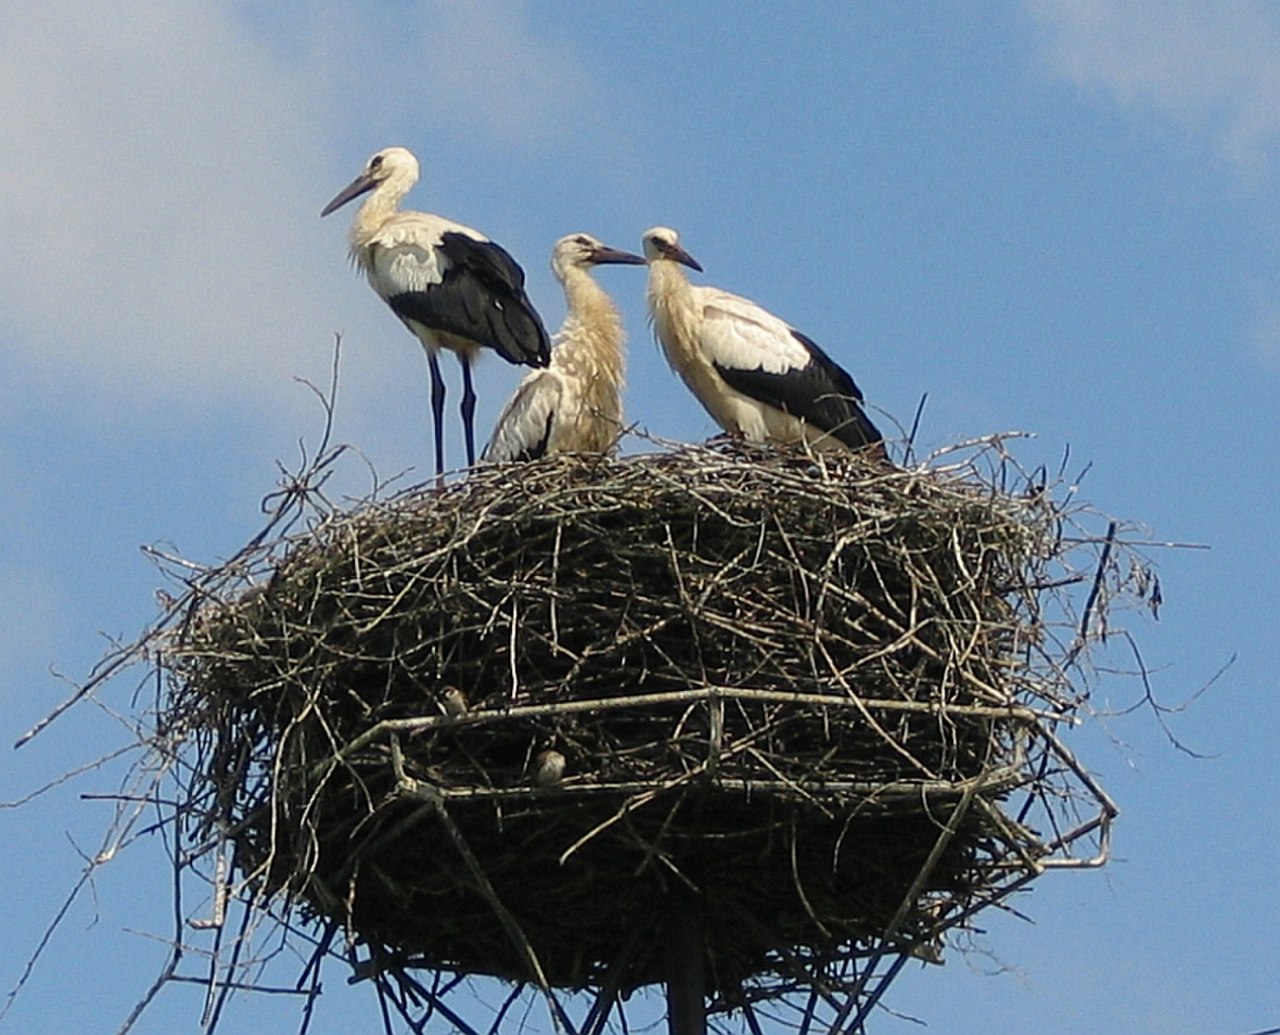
(162, 167)
(1210, 67)
(148, 196)
(483, 59)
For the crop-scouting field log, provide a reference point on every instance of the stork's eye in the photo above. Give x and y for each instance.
(375, 162)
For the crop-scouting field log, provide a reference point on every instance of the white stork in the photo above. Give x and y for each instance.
(573, 405)
(756, 375)
(450, 285)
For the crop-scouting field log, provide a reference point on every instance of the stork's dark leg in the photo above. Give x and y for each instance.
(437, 412)
(468, 410)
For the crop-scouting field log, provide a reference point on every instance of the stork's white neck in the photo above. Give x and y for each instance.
(592, 336)
(581, 292)
(381, 204)
(669, 293)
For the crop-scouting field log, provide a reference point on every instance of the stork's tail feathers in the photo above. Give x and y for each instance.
(519, 335)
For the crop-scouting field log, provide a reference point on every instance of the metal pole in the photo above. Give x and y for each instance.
(682, 958)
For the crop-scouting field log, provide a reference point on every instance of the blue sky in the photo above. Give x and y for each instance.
(1053, 217)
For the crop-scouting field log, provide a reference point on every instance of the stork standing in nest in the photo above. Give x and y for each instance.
(450, 285)
(573, 405)
(755, 374)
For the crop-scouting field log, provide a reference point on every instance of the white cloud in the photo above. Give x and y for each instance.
(162, 167)
(482, 58)
(1211, 67)
(152, 230)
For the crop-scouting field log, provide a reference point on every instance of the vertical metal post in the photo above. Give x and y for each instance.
(682, 959)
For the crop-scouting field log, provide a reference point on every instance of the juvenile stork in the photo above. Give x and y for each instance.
(450, 285)
(573, 405)
(755, 374)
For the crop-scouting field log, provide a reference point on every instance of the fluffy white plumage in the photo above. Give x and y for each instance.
(573, 405)
(401, 253)
(754, 373)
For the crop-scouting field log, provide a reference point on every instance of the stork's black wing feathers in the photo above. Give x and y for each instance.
(482, 299)
(839, 376)
(821, 393)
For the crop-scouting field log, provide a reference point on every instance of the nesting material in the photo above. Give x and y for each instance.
(507, 727)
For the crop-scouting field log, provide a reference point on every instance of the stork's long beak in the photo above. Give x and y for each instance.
(605, 254)
(677, 254)
(354, 189)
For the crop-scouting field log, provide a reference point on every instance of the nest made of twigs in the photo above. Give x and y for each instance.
(792, 694)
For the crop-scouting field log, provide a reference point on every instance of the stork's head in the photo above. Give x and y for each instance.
(395, 166)
(581, 251)
(664, 243)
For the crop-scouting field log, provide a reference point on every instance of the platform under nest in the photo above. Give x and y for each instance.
(808, 701)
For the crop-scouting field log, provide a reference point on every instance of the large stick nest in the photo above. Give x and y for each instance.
(807, 699)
